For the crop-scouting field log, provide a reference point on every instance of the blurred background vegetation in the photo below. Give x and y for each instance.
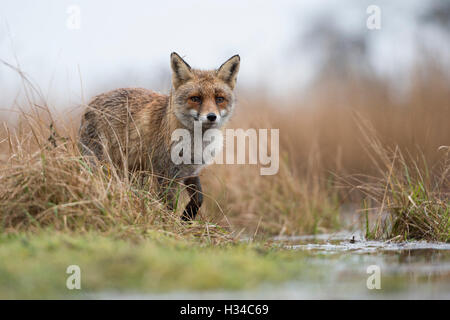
(317, 73)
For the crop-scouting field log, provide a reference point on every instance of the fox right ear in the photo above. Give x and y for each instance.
(228, 70)
(181, 71)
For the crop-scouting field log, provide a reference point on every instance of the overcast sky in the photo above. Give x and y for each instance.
(128, 43)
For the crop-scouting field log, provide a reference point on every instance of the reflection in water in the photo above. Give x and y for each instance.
(336, 268)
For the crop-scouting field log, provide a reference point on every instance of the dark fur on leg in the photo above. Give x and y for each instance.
(194, 189)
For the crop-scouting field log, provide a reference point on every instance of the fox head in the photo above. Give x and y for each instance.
(205, 96)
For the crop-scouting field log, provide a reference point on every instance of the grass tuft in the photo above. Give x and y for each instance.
(413, 199)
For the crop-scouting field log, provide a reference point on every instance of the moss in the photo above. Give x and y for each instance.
(34, 266)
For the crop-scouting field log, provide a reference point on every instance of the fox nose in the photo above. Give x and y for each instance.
(211, 117)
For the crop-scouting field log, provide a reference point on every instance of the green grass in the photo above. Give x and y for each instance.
(417, 207)
(34, 266)
(412, 199)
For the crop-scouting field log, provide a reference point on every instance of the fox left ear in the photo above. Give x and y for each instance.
(181, 71)
(228, 70)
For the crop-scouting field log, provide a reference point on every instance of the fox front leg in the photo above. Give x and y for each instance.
(194, 189)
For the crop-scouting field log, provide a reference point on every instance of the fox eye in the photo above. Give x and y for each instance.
(220, 99)
(196, 99)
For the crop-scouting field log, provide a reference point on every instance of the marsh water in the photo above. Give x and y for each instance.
(338, 266)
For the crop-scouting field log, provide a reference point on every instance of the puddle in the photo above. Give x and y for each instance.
(413, 270)
(362, 246)
(338, 267)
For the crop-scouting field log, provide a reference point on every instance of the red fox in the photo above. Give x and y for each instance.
(133, 127)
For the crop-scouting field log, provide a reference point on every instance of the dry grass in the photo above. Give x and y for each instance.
(44, 186)
(320, 139)
(412, 198)
(285, 203)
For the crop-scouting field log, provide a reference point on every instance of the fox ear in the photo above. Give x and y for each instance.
(181, 71)
(228, 70)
